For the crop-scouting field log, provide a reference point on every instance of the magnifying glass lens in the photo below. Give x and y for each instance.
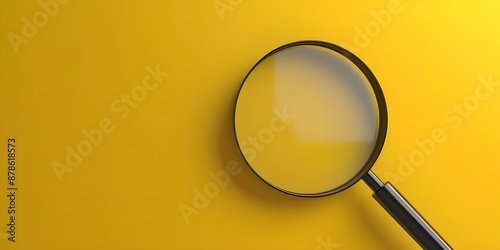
(306, 120)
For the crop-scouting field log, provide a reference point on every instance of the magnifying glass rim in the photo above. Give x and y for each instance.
(382, 117)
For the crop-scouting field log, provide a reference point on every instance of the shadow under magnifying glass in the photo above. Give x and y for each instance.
(375, 224)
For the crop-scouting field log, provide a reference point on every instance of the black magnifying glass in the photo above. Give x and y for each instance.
(310, 120)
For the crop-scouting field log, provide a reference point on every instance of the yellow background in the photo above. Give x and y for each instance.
(126, 193)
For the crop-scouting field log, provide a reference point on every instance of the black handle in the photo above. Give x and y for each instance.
(407, 217)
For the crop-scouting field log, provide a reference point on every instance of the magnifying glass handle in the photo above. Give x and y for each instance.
(407, 217)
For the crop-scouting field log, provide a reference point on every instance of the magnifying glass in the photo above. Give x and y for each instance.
(310, 120)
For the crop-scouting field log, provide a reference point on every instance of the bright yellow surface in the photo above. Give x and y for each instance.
(143, 93)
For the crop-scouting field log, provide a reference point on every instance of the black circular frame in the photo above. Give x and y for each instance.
(381, 105)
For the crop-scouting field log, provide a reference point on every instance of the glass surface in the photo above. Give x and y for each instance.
(306, 120)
